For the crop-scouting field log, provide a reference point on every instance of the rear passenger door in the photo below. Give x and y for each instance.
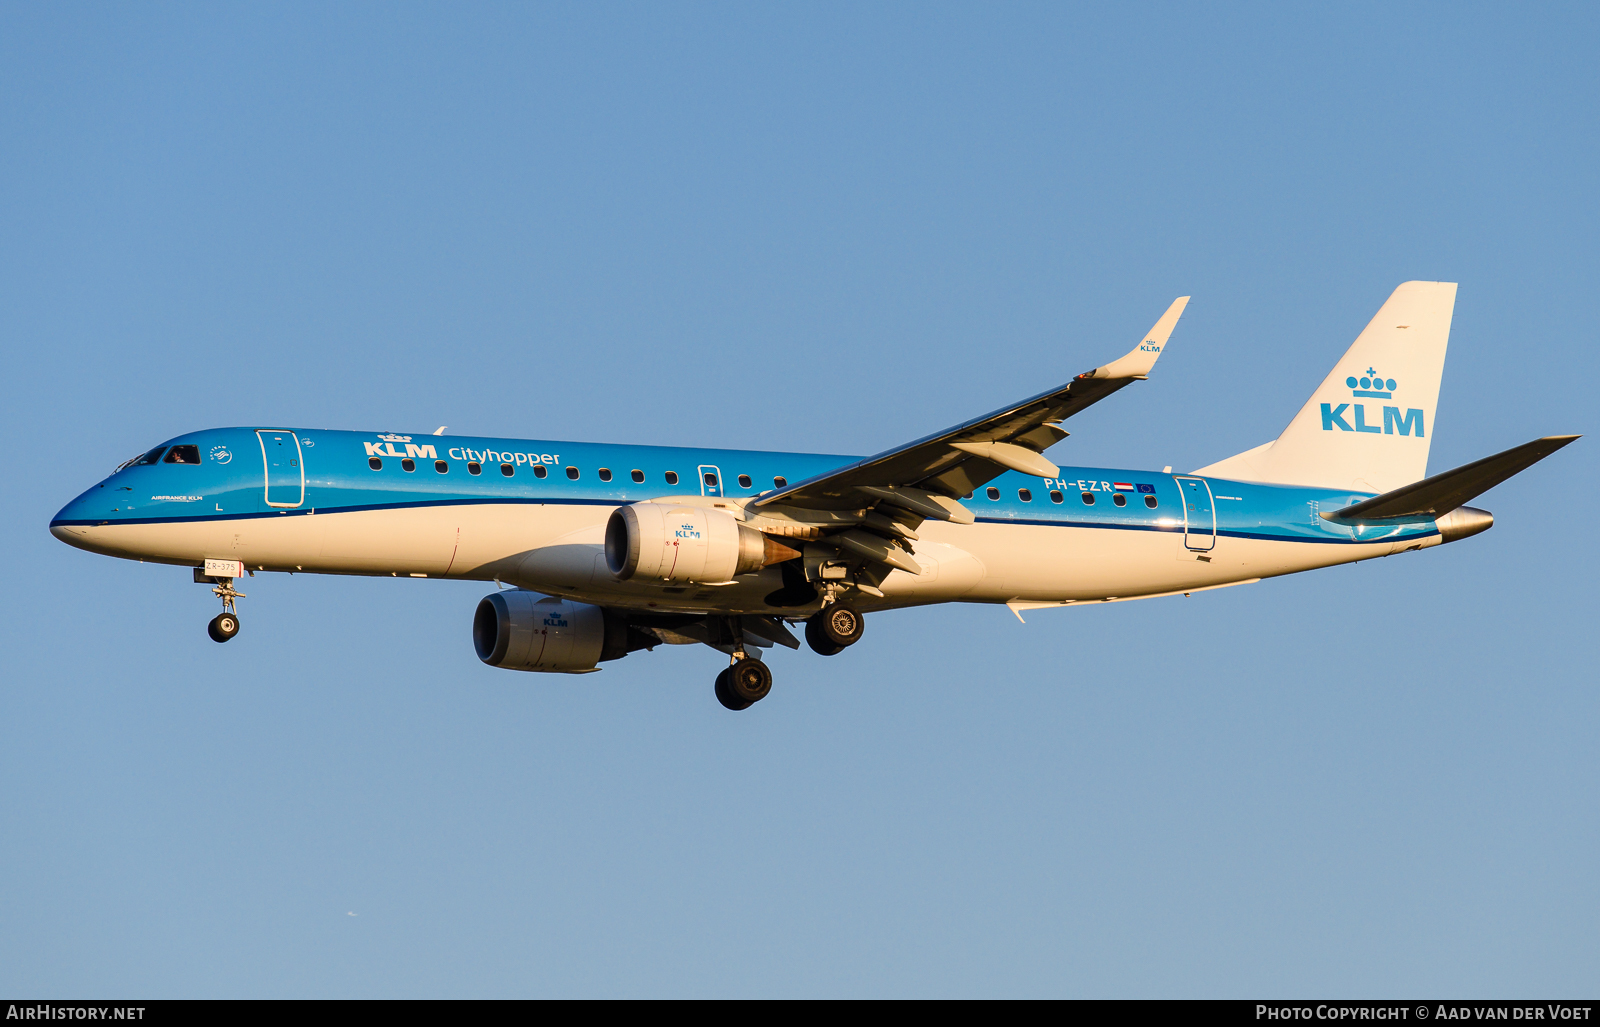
(1199, 514)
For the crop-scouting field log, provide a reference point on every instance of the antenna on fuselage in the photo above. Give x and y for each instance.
(442, 427)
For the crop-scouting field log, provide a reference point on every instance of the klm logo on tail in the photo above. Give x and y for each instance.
(1371, 385)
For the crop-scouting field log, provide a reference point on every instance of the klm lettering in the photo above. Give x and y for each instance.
(1408, 422)
(412, 450)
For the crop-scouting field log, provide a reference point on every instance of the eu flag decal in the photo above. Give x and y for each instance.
(1147, 488)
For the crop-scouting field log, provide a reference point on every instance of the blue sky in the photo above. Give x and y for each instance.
(829, 228)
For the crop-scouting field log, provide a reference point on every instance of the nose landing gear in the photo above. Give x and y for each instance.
(225, 624)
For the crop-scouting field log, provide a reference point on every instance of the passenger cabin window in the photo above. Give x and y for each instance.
(539, 471)
(151, 457)
(1025, 495)
(408, 465)
(672, 477)
(441, 467)
(1055, 496)
(473, 467)
(994, 493)
(637, 475)
(183, 455)
(605, 474)
(507, 470)
(1150, 501)
(375, 463)
(1088, 499)
(744, 481)
(572, 472)
(1120, 499)
(780, 481)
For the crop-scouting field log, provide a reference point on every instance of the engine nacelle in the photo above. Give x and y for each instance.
(662, 542)
(521, 630)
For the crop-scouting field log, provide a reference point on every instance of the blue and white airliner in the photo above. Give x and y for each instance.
(609, 549)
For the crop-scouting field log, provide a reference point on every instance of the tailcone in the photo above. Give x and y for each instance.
(1462, 522)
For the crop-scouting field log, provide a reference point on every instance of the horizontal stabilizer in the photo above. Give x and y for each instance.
(1438, 495)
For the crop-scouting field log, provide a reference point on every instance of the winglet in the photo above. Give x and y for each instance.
(1139, 360)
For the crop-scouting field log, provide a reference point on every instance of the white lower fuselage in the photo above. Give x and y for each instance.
(558, 549)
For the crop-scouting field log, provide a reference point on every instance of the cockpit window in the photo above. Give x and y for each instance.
(151, 457)
(183, 455)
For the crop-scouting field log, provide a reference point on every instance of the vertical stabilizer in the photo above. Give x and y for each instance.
(1369, 424)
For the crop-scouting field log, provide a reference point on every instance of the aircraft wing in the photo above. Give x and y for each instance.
(928, 475)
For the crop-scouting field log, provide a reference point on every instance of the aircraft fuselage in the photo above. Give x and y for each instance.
(533, 513)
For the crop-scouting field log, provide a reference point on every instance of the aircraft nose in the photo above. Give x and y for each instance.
(69, 525)
(75, 535)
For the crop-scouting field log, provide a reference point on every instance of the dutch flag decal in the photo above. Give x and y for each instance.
(1122, 486)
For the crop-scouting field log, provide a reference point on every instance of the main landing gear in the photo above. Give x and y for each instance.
(225, 624)
(743, 684)
(834, 628)
(747, 680)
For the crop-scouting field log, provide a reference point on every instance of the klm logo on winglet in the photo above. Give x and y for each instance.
(1371, 385)
(1149, 346)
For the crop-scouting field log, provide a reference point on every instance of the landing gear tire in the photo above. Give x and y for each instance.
(819, 642)
(725, 694)
(837, 624)
(223, 627)
(749, 681)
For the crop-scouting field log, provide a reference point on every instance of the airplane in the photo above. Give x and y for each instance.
(612, 549)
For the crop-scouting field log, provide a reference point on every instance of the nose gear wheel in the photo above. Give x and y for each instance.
(225, 624)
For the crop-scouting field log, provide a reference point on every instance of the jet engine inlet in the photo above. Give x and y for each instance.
(520, 630)
(658, 541)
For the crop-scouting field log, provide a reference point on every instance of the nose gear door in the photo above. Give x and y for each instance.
(1199, 514)
(285, 470)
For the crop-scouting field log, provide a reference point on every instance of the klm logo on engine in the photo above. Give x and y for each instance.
(686, 531)
(555, 620)
(386, 448)
(1371, 385)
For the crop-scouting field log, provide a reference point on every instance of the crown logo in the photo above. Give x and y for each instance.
(407, 438)
(1371, 385)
